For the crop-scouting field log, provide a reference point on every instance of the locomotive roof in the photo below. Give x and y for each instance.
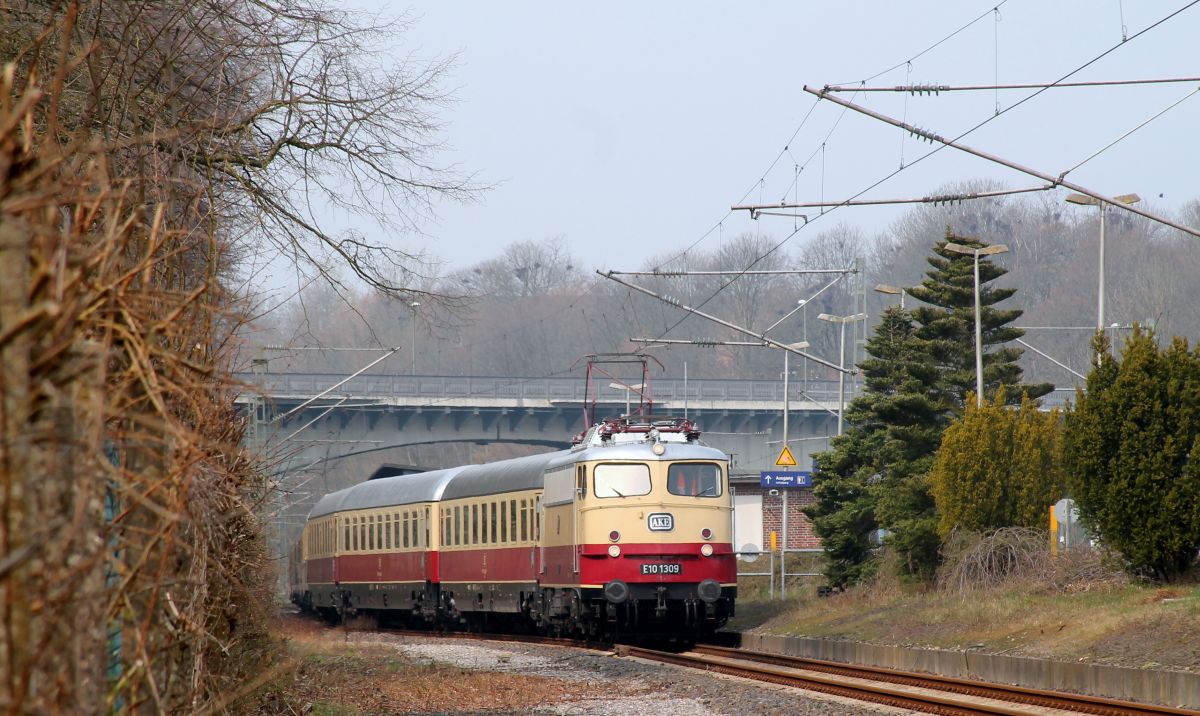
(522, 473)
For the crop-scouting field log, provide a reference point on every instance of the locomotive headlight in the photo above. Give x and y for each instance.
(659, 448)
(706, 533)
(705, 549)
(614, 536)
(615, 551)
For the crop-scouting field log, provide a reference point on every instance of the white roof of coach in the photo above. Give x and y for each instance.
(522, 473)
(386, 491)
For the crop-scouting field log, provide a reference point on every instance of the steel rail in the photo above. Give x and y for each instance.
(851, 688)
(1003, 692)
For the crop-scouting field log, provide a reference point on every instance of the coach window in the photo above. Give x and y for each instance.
(694, 479)
(371, 532)
(457, 525)
(493, 523)
(416, 519)
(503, 522)
(537, 518)
(524, 521)
(512, 520)
(474, 524)
(405, 542)
(620, 480)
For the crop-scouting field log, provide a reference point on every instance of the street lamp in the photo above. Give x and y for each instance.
(976, 253)
(798, 345)
(842, 320)
(893, 290)
(636, 386)
(413, 305)
(1086, 200)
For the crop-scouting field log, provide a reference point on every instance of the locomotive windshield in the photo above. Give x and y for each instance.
(694, 479)
(617, 480)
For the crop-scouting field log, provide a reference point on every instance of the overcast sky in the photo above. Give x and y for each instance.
(630, 128)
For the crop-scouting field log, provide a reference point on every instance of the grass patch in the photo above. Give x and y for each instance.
(1125, 624)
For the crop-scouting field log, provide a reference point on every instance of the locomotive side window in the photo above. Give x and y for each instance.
(581, 481)
(620, 480)
(694, 479)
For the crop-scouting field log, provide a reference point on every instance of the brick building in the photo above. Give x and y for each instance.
(757, 514)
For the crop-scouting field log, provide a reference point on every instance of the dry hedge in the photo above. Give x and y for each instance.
(133, 573)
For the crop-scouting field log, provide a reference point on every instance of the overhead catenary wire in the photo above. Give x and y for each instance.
(939, 148)
(1113, 143)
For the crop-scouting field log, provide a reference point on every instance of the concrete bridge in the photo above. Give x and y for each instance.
(378, 413)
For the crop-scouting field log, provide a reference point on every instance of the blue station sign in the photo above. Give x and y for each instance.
(785, 478)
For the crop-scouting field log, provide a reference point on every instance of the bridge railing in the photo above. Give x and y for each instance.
(433, 387)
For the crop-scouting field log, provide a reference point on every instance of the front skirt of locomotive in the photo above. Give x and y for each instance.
(645, 588)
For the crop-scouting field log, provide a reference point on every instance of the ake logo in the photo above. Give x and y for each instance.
(661, 521)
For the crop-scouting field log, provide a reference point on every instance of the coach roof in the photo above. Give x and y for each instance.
(522, 473)
(387, 491)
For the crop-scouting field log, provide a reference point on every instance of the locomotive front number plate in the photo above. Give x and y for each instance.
(673, 568)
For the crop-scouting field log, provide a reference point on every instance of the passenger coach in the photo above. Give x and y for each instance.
(630, 528)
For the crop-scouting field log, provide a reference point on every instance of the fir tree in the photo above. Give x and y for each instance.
(947, 324)
(893, 429)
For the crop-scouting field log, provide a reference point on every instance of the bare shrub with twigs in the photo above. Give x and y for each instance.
(1021, 556)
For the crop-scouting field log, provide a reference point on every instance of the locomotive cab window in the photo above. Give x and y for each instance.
(620, 480)
(694, 479)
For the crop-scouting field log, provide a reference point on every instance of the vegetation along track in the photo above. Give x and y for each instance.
(919, 692)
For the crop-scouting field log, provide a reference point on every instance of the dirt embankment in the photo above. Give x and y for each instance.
(1123, 625)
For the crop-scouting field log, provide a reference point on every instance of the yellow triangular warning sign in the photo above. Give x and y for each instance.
(785, 458)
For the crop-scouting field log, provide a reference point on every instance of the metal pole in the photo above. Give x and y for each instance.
(744, 331)
(841, 377)
(783, 549)
(1054, 181)
(414, 342)
(978, 341)
(1100, 298)
(685, 390)
(785, 399)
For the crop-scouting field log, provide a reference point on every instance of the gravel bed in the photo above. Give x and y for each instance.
(630, 686)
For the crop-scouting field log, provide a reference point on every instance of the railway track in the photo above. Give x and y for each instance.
(918, 692)
(915, 691)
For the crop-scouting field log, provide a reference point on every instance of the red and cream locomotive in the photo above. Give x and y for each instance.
(629, 530)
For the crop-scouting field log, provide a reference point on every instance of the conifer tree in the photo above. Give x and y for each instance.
(1132, 453)
(893, 429)
(947, 324)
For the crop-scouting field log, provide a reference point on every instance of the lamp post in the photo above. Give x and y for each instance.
(976, 253)
(893, 290)
(842, 321)
(636, 386)
(413, 306)
(799, 345)
(1085, 200)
